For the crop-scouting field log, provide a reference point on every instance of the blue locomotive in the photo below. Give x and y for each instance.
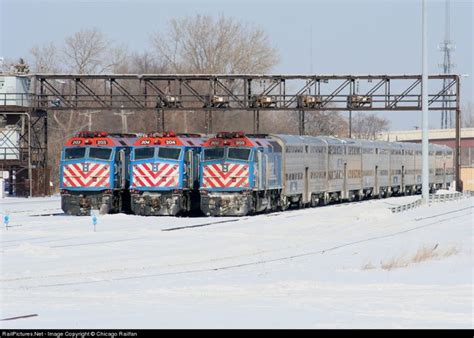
(94, 173)
(240, 174)
(164, 174)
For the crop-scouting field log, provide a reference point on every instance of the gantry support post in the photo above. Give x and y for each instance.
(160, 119)
(301, 122)
(457, 152)
(256, 121)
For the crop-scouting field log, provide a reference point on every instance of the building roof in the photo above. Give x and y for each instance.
(433, 134)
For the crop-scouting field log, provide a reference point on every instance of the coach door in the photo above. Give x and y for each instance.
(376, 181)
(444, 175)
(402, 184)
(344, 193)
(306, 198)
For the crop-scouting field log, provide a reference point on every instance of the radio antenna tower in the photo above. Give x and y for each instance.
(447, 47)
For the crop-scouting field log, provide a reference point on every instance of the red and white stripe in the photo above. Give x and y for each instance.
(236, 176)
(167, 175)
(97, 176)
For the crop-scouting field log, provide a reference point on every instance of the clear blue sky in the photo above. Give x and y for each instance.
(349, 37)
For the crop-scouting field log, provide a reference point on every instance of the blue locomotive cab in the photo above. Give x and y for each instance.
(93, 173)
(164, 174)
(238, 174)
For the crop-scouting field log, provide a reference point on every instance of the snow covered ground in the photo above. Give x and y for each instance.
(342, 266)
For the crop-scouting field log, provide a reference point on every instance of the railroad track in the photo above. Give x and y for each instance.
(223, 259)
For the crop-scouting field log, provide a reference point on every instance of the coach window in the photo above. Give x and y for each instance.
(74, 153)
(213, 154)
(100, 153)
(144, 153)
(239, 154)
(169, 153)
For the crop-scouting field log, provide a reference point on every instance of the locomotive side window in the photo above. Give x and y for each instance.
(213, 154)
(74, 153)
(239, 154)
(100, 153)
(169, 153)
(144, 153)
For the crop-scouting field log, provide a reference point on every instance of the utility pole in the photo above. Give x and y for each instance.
(424, 107)
(88, 114)
(124, 116)
(446, 47)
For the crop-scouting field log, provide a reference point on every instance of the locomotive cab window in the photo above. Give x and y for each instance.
(100, 153)
(242, 154)
(74, 153)
(213, 154)
(144, 153)
(169, 153)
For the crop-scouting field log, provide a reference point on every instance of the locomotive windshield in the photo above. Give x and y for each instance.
(239, 154)
(100, 153)
(74, 153)
(169, 153)
(213, 154)
(144, 153)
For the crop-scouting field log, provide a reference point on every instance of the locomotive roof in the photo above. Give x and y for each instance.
(107, 140)
(176, 140)
(237, 139)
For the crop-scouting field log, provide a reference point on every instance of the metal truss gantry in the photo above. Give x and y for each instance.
(169, 93)
(23, 151)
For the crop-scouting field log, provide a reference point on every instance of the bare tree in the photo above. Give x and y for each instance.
(368, 126)
(146, 63)
(325, 123)
(202, 44)
(45, 58)
(85, 52)
(118, 60)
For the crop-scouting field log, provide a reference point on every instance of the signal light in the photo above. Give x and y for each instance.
(229, 135)
(224, 134)
(87, 141)
(91, 134)
(154, 134)
(156, 142)
(169, 134)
